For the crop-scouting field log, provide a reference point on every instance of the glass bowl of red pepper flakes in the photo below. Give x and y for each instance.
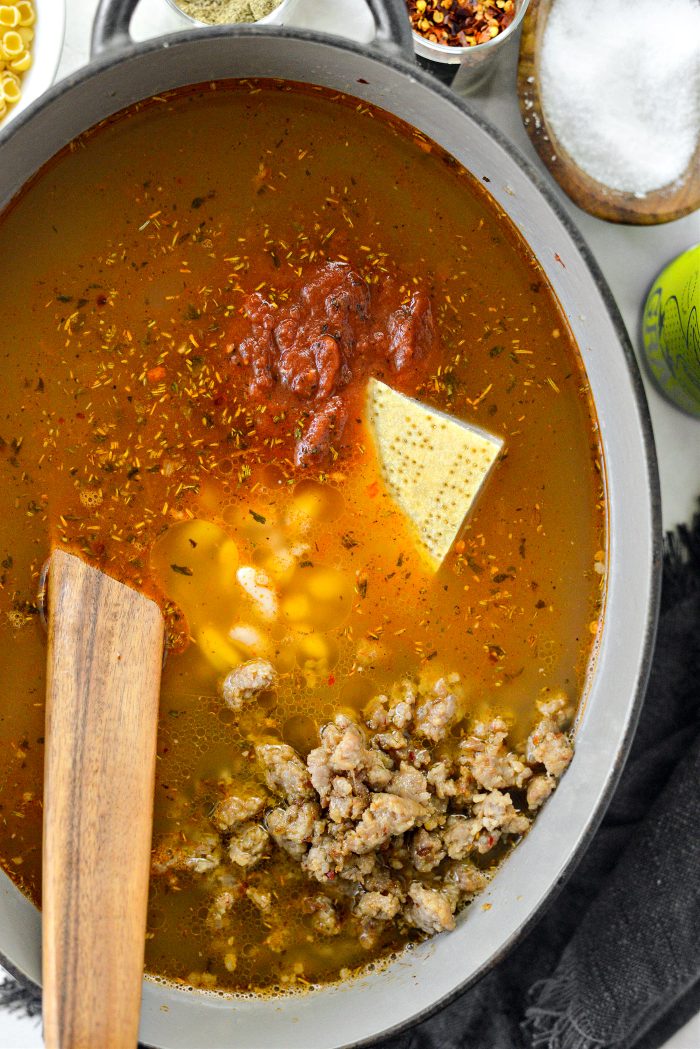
(463, 32)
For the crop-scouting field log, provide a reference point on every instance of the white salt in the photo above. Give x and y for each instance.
(620, 88)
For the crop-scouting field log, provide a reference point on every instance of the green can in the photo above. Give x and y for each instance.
(671, 331)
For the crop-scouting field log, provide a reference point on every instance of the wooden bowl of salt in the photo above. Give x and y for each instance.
(613, 107)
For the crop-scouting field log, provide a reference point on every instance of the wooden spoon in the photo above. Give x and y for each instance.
(104, 667)
(663, 205)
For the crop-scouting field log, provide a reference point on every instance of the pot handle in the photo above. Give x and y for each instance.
(110, 30)
(394, 33)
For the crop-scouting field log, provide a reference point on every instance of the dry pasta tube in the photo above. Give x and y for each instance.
(9, 87)
(27, 14)
(21, 64)
(16, 36)
(12, 44)
(9, 16)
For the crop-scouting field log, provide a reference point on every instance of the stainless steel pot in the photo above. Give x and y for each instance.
(385, 74)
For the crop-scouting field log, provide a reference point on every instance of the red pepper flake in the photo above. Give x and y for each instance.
(331, 680)
(156, 374)
(373, 489)
(460, 23)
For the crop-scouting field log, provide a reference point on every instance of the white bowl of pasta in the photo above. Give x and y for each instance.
(31, 40)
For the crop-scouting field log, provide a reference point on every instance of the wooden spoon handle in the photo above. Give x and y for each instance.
(103, 682)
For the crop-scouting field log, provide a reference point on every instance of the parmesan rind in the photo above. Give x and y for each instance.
(432, 465)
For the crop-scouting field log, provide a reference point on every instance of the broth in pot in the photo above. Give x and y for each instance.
(350, 737)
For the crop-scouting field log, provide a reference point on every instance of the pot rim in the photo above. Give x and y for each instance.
(392, 56)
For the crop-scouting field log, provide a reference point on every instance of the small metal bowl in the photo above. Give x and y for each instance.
(477, 61)
(277, 17)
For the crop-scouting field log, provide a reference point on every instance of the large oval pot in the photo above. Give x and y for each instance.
(385, 74)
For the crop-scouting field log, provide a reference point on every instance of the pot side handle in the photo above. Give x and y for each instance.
(110, 30)
(394, 33)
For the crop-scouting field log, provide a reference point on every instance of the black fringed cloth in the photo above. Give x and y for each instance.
(615, 962)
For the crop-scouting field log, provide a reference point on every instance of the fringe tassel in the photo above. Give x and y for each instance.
(681, 563)
(549, 1023)
(18, 999)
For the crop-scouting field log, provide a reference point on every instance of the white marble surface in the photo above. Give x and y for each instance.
(629, 257)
